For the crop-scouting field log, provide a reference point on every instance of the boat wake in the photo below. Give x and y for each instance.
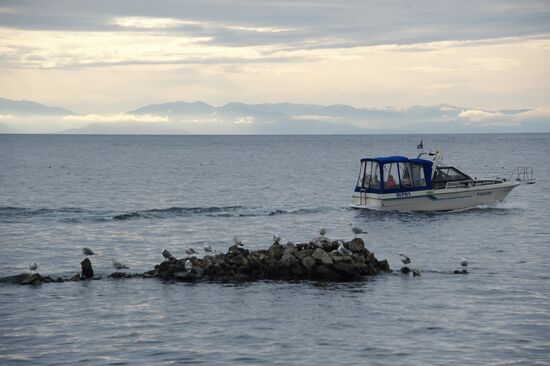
(76, 215)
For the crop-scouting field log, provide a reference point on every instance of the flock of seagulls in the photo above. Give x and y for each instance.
(406, 260)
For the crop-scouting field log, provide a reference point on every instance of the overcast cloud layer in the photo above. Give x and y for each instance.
(108, 57)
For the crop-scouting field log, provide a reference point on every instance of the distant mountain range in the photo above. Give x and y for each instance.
(26, 107)
(270, 118)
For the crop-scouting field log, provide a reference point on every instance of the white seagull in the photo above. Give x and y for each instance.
(87, 251)
(237, 241)
(276, 238)
(405, 259)
(207, 249)
(416, 272)
(166, 254)
(464, 262)
(343, 250)
(356, 230)
(118, 265)
(188, 265)
(322, 231)
(33, 266)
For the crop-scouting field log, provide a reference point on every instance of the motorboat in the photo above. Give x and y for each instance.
(398, 183)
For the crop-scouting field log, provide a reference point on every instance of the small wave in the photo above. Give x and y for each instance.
(77, 215)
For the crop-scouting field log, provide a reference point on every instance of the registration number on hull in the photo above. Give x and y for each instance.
(403, 194)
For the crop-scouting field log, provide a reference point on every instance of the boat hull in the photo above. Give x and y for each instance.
(447, 199)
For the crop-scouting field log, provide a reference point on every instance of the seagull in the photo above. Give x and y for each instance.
(405, 259)
(207, 249)
(464, 262)
(33, 266)
(356, 231)
(344, 251)
(118, 265)
(190, 251)
(322, 231)
(237, 241)
(166, 254)
(416, 272)
(87, 251)
(188, 265)
(276, 238)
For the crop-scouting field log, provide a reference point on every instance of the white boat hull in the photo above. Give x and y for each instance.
(447, 199)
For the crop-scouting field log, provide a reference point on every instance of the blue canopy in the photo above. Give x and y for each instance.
(381, 161)
(387, 159)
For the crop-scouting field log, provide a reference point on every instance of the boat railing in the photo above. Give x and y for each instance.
(473, 183)
(523, 174)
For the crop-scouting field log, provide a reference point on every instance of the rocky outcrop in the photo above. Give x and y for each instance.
(317, 260)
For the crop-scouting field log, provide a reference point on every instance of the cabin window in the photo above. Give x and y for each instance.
(417, 170)
(405, 175)
(391, 176)
(371, 179)
(361, 180)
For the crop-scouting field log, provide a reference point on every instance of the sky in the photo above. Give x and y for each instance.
(101, 57)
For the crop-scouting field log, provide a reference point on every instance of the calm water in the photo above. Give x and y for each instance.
(127, 197)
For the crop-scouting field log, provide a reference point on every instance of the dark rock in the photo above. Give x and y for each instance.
(321, 256)
(87, 270)
(323, 272)
(308, 262)
(276, 250)
(384, 265)
(458, 271)
(405, 270)
(76, 277)
(14, 279)
(356, 245)
(33, 279)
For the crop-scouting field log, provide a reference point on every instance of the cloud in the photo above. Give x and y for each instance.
(244, 120)
(5, 117)
(151, 23)
(500, 118)
(494, 63)
(121, 117)
(313, 117)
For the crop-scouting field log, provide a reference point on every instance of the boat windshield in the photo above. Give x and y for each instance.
(444, 175)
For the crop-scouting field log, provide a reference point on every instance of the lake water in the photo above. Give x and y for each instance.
(128, 197)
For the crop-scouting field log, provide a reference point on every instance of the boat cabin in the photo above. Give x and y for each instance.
(400, 174)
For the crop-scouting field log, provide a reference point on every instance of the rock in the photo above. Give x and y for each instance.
(287, 260)
(356, 245)
(87, 270)
(323, 272)
(76, 277)
(463, 271)
(33, 279)
(322, 256)
(308, 262)
(384, 265)
(276, 250)
(14, 279)
(405, 270)
(185, 276)
(321, 242)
